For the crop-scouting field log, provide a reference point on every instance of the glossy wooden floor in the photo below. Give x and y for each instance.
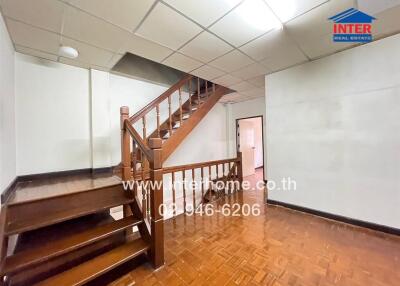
(279, 247)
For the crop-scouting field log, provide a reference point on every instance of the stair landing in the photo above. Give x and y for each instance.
(61, 185)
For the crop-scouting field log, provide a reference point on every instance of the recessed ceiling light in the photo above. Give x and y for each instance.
(68, 52)
(258, 15)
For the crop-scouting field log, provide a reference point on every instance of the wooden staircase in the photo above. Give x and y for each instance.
(71, 239)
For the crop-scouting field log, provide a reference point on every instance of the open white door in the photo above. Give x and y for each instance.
(246, 141)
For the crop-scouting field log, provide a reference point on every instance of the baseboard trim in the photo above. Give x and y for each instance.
(43, 176)
(352, 221)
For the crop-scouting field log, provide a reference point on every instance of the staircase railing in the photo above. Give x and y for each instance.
(151, 196)
(200, 180)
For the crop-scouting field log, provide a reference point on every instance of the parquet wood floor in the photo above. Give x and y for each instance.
(279, 247)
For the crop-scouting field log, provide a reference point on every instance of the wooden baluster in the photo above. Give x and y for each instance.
(184, 190)
(239, 168)
(193, 190)
(198, 91)
(170, 115)
(156, 201)
(173, 193)
(210, 183)
(158, 120)
(144, 128)
(180, 107)
(223, 170)
(144, 201)
(190, 96)
(126, 172)
(202, 183)
(134, 163)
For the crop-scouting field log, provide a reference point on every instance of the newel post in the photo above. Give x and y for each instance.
(240, 167)
(125, 146)
(156, 201)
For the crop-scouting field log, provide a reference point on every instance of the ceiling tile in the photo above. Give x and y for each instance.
(46, 14)
(182, 62)
(388, 22)
(288, 56)
(323, 46)
(207, 72)
(290, 9)
(28, 36)
(255, 92)
(373, 7)
(89, 54)
(204, 12)
(167, 27)
(206, 47)
(232, 98)
(84, 27)
(249, 20)
(243, 86)
(36, 53)
(227, 80)
(145, 48)
(257, 81)
(232, 61)
(315, 23)
(124, 13)
(114, 60)
(251, 71)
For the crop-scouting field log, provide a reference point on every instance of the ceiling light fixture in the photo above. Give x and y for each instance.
(258, 15)
(68, 52)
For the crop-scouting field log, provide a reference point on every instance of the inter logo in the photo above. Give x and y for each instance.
(352, 26)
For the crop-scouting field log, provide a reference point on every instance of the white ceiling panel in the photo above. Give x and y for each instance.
(182, 62)
(206, 47)
(145, 48)
(249, 20)
(286, 57)
(251, 71)
(167, 27)
(232, 98)
(374, 7)
(124, 13)
(255, 92)
(315, 23)
(257, 81)
(323, 46)
(227, 80)
(36, 53)
(207, 72)
(89, 54)
(38, 39)
(270, 45)
(84, 27)
(388, 22)
(46, 14)
(289, 9)
(232, 61)
(243, 86)
(204, 12)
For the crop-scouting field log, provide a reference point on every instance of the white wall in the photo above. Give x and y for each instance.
(53, 116)
(7, 109)
(333, 126)
(244, 109)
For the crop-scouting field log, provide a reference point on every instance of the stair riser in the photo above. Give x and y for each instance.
(59, 264)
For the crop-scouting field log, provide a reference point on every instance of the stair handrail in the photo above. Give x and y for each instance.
(138, 115)
(153, 197)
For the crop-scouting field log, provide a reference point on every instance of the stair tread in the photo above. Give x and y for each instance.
(52, 218)
(92, 269)
(33, 256)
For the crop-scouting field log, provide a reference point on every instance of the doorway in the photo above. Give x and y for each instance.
(250, 141)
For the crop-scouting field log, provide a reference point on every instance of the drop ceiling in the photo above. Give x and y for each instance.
(209, 38)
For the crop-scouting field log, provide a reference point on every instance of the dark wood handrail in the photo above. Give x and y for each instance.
(138, 115)
(139, 141)
(198, 165)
